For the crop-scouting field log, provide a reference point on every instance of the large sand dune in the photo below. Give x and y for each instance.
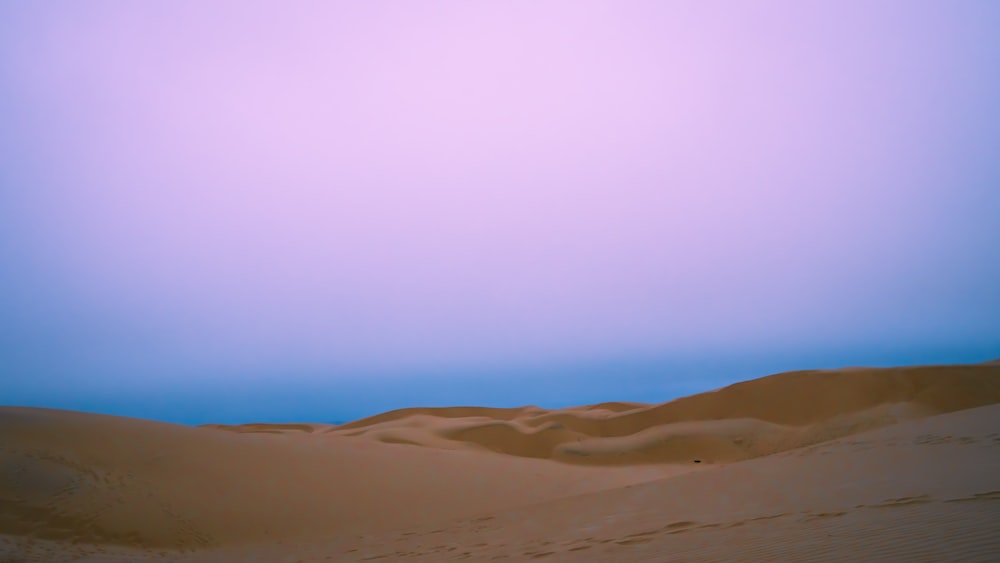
(96, 478)
(826, 460)
(745, 420)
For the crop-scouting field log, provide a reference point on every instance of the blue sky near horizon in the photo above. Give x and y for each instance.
(324, 397)
(249, 211)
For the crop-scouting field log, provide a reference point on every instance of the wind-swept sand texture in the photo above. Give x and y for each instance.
(860, 464)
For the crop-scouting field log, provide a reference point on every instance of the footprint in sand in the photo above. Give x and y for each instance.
(991, 495)
(901, 501)
(681, 526)
(809, 517)
(642, 537)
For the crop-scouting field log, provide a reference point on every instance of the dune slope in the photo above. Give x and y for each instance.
(922, 490)
(105, 480)
(741, 421)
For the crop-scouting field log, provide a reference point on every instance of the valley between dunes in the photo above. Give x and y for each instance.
(851, 464)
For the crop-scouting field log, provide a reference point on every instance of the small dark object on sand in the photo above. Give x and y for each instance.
(697, 461)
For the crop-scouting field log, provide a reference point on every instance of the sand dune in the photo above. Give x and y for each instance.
(807, 455)
(95, 478)
(922, 490)
(742, 421)
(613, 406)
(271, 428)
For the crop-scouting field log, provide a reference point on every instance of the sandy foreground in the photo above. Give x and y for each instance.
(859, 464)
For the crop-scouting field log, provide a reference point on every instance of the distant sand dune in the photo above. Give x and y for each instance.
(811, 443)
(615, 406)
(270, 427)
(741, 421)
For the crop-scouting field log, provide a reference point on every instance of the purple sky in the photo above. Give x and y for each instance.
(342, 207)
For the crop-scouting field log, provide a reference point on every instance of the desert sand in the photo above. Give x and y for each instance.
(899, 464)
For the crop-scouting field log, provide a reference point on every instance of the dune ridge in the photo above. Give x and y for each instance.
(81, 478)
(270, 427)
(100, 479)
(923, 490)
(741, 421)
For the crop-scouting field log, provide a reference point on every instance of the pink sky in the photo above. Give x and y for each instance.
(407, 187)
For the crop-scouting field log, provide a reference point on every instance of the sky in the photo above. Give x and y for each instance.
(236, 211)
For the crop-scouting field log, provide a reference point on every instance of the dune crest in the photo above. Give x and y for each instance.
(270, 428)
(745, 420)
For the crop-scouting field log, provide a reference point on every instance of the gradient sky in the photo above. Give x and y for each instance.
(228, 211)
